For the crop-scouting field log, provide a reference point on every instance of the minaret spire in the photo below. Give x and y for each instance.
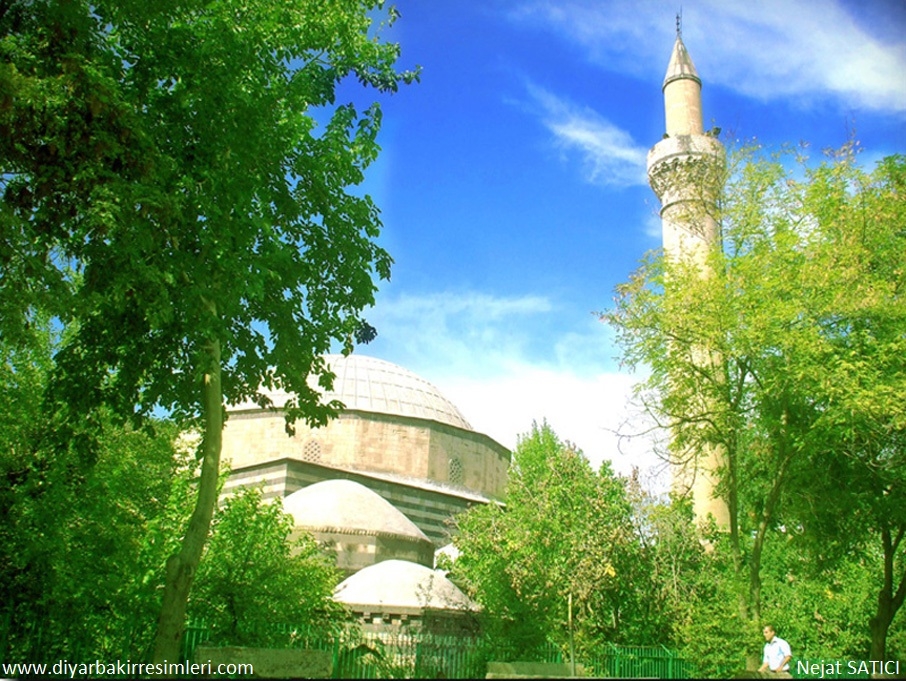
(682, 90)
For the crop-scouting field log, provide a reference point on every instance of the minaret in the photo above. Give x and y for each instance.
(685, 170)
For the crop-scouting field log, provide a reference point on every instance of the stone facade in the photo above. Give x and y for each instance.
(429, 506)
(413, 451)
(367, 441)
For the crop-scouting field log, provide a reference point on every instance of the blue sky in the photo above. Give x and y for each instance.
(512, 178)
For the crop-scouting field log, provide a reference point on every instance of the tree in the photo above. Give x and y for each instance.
(859, 382)
(253, 577)
(83, 551)
(169, 195)
(75, 544)
(564, 534)
(803, 307)
(813, 603)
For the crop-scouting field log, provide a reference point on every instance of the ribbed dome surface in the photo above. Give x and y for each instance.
(399, 583)
(369, 384)
(348, 507)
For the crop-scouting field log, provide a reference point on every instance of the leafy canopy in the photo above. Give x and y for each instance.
(180, 171)
(801, 314)
(565, 531)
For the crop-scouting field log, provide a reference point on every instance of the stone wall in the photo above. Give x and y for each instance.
(428, 505)
(367, 441)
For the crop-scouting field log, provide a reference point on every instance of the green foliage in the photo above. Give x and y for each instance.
(84, 550)
(158, 159)
(565, 531)
(785, 349)
(254, 576)
(823, 610)
(177, 189)
(710, 632)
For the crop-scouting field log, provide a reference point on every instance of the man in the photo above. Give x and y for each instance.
(777, 654)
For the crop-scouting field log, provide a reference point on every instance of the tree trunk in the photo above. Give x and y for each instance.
(733, 509)
(888, 601)
(182, 566)
(761, 533)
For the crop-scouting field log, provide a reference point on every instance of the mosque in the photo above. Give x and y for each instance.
(379, 484)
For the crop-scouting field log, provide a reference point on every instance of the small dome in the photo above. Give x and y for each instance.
(347, 507)
(369, 384)
(401, 584)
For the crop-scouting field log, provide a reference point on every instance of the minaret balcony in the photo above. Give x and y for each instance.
(680, 163)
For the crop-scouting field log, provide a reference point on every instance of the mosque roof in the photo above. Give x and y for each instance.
(680, 65)
(348, 507)
(402, 584)
(373, 385)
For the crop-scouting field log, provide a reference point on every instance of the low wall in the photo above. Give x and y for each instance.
(269, 663)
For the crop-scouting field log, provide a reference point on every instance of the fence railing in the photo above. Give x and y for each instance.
(374, 655)
(355, 653)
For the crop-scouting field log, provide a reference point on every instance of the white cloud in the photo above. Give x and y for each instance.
(653, 227)
(796, 49)
(609, 154)
(509, 361)
(458, 332)
(590, 411)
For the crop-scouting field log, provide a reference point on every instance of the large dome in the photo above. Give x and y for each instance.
(369, 384)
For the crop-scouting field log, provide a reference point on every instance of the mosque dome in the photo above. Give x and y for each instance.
(357, 524)
(369, 384)
(348, 507)
(394, 584)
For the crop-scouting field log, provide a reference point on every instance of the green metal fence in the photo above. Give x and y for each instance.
(360, 655)
(371, 655)
(636, 662)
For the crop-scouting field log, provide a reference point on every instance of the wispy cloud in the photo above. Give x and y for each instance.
(592, 411)
(463, 332)
(609, 155)
(653, 226)
(796, 49)
(509, 361)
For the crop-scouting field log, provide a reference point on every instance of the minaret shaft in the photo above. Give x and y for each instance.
(683, 106)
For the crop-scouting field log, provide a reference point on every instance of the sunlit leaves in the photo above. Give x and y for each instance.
(787, 350)
(255, 577)
(171, 155)
(565, 532)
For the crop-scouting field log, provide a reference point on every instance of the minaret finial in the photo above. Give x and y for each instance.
(679, 23)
